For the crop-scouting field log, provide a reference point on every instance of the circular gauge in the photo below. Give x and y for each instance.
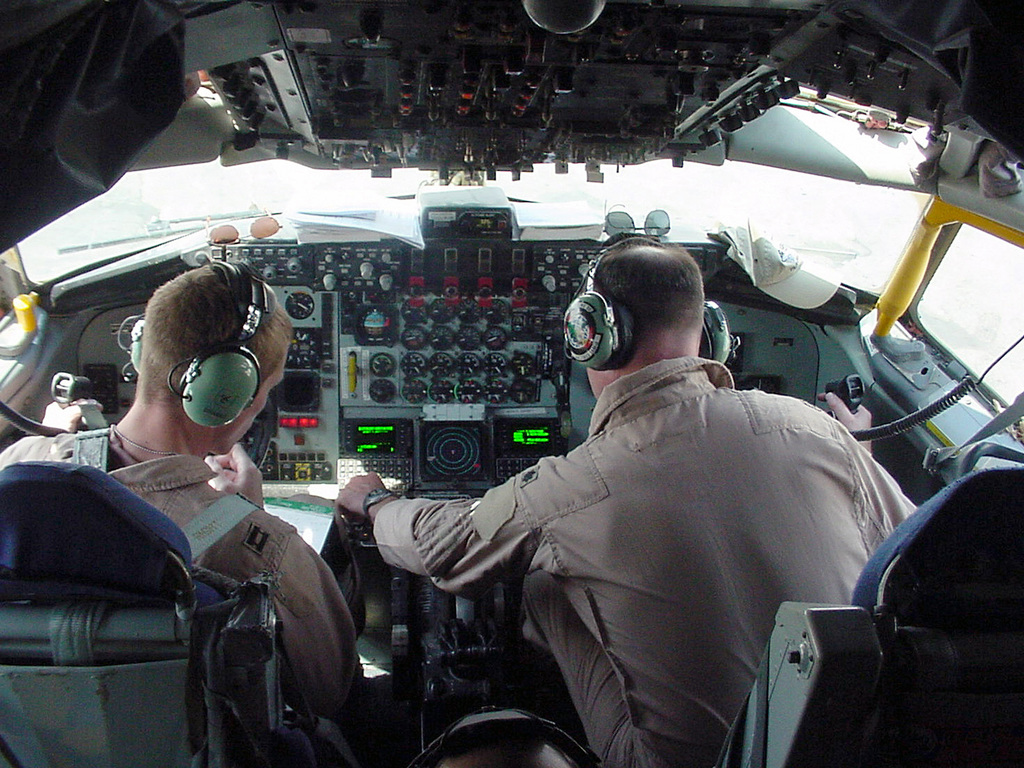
(468, 338)
(299, 305)
(523, 364)
(440, 311)
(441, 337)
(453, 451)
(498, 312)
(523, 391)
(375, 325)
(441, 364)
(451, 292)
(414, 364)
(414, 314)
(442, 391)
(494, 337)
(304, 351)
(496, 391)
(382, 364)
(469, 363)
(469, 391)
(496, 364)
(469, 311)
(414, 337)
(382, 390)
(414, 390)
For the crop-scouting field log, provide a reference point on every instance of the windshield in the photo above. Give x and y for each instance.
(856, 230)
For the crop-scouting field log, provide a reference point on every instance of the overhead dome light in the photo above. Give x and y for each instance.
(563, 17)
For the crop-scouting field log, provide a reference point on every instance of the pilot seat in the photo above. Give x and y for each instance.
(925, 668)
(504, 738)
(112, 652)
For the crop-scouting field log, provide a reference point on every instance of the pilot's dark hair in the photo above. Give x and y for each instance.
(659, 283)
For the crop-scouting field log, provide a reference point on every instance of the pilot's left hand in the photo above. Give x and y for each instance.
(235, 472)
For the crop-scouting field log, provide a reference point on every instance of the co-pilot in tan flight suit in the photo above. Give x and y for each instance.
(657, 552)
(317, 628)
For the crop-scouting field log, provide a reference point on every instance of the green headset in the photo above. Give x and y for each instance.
(222, 381)
(598, 330)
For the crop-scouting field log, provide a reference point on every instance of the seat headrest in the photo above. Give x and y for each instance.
(957, 560)
(68, 530)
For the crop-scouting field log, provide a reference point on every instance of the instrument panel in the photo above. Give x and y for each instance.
(441, 368)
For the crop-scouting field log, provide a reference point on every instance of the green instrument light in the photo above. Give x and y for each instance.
(375, 438)
(531, 436)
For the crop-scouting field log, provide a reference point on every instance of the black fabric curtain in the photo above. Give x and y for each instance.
(85, 85)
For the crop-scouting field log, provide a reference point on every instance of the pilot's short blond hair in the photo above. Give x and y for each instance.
(194, 314)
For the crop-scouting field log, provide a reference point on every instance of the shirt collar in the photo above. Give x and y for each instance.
(697, 375)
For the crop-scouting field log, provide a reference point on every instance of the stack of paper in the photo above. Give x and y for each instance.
(380, 218)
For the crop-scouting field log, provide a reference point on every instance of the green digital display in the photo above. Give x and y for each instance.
(531, 436)
(375, 438)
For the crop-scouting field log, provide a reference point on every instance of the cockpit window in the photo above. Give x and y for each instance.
(973, 307)
(857, 230)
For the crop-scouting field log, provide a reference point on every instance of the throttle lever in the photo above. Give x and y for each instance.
(66, 388)
(849, 389)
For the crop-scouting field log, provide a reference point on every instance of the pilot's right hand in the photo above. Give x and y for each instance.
(349, 503)
(235, 472)
(68, 417)
(854, 422)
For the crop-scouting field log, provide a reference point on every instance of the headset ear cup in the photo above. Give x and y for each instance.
(716, 340)
(598, 334)
(586, 330)
(218, 387)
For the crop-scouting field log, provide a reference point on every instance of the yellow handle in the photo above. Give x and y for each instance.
(353, 368)
(25, 311)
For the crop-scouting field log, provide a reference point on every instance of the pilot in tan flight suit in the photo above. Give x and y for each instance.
(213, 346)
(656, 554)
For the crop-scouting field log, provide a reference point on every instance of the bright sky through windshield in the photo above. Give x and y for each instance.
(859, 229)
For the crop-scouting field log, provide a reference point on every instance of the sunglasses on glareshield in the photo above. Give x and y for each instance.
(656, 224)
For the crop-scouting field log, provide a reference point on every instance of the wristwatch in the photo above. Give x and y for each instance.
(377, 494)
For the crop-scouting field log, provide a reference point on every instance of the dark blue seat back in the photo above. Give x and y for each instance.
(69, 530)
(958, 561)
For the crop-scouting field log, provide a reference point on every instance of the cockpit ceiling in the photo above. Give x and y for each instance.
(479, 85)
(465, 85)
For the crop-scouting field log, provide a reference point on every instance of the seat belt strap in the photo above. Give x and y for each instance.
(202, 531)
(1006, 418)
(212, 524)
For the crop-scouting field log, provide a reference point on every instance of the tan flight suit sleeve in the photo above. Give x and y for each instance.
(464, 545)
(879, 504)
(317, 629)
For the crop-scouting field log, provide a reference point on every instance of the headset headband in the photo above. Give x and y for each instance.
(250, 294)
